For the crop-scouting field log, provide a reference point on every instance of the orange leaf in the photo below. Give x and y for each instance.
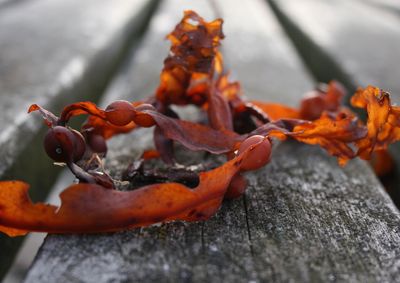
(383, 122)
(277, 111)
(92, 208)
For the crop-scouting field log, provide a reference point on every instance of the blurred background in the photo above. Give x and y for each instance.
(57, 52)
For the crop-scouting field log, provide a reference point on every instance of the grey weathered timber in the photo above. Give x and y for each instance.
(255, 41)
(5, 3)
(349, 41)
(390, 5)
(303, 217)
(311, 220)
(53, 53)
(355, 36)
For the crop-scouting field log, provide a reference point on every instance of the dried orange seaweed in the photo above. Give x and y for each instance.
(193, 58)
(277, 111)
(193, 73)
(383, 120)
(194, 136)
(92, 208)
(382, 163)
(334, 134)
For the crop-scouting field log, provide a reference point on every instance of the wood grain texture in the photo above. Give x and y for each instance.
(302, 219)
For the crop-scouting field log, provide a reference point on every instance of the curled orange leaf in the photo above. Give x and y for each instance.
(383, 121)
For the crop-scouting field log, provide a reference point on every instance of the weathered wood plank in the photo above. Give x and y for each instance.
(53, 53)
(311, 220)
(354, 35)
(52, 64)
(349, 41)
(257, 43)
(303, 218)
(390, 5)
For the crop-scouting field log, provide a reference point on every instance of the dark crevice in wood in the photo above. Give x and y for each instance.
(324, 68)
(248, 224)
(202, 239)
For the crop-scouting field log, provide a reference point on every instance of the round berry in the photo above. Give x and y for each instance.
(59, 144)
(258, 156)
(120, 113)
(143, 119)
(79, 145)
(97, 143)
(312, 106)
(145, 106)
(237, 187)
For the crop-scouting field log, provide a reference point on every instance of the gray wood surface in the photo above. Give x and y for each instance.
(349, 41)
(53, 53)
(390, 5)
(56, 52)
(355, 35)
(260, 55)
(303, 217)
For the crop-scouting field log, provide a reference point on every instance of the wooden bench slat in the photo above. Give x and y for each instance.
(259, 44)
(311, 220)
(355, 35)
(390, 5)
(53, 53)
(360, 37)
(303, 218)
(47, 49)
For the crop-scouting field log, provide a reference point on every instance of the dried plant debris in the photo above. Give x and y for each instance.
(238, 130)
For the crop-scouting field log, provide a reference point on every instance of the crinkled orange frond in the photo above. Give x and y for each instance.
(335, 134)
(383, 122)
(193, 58)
